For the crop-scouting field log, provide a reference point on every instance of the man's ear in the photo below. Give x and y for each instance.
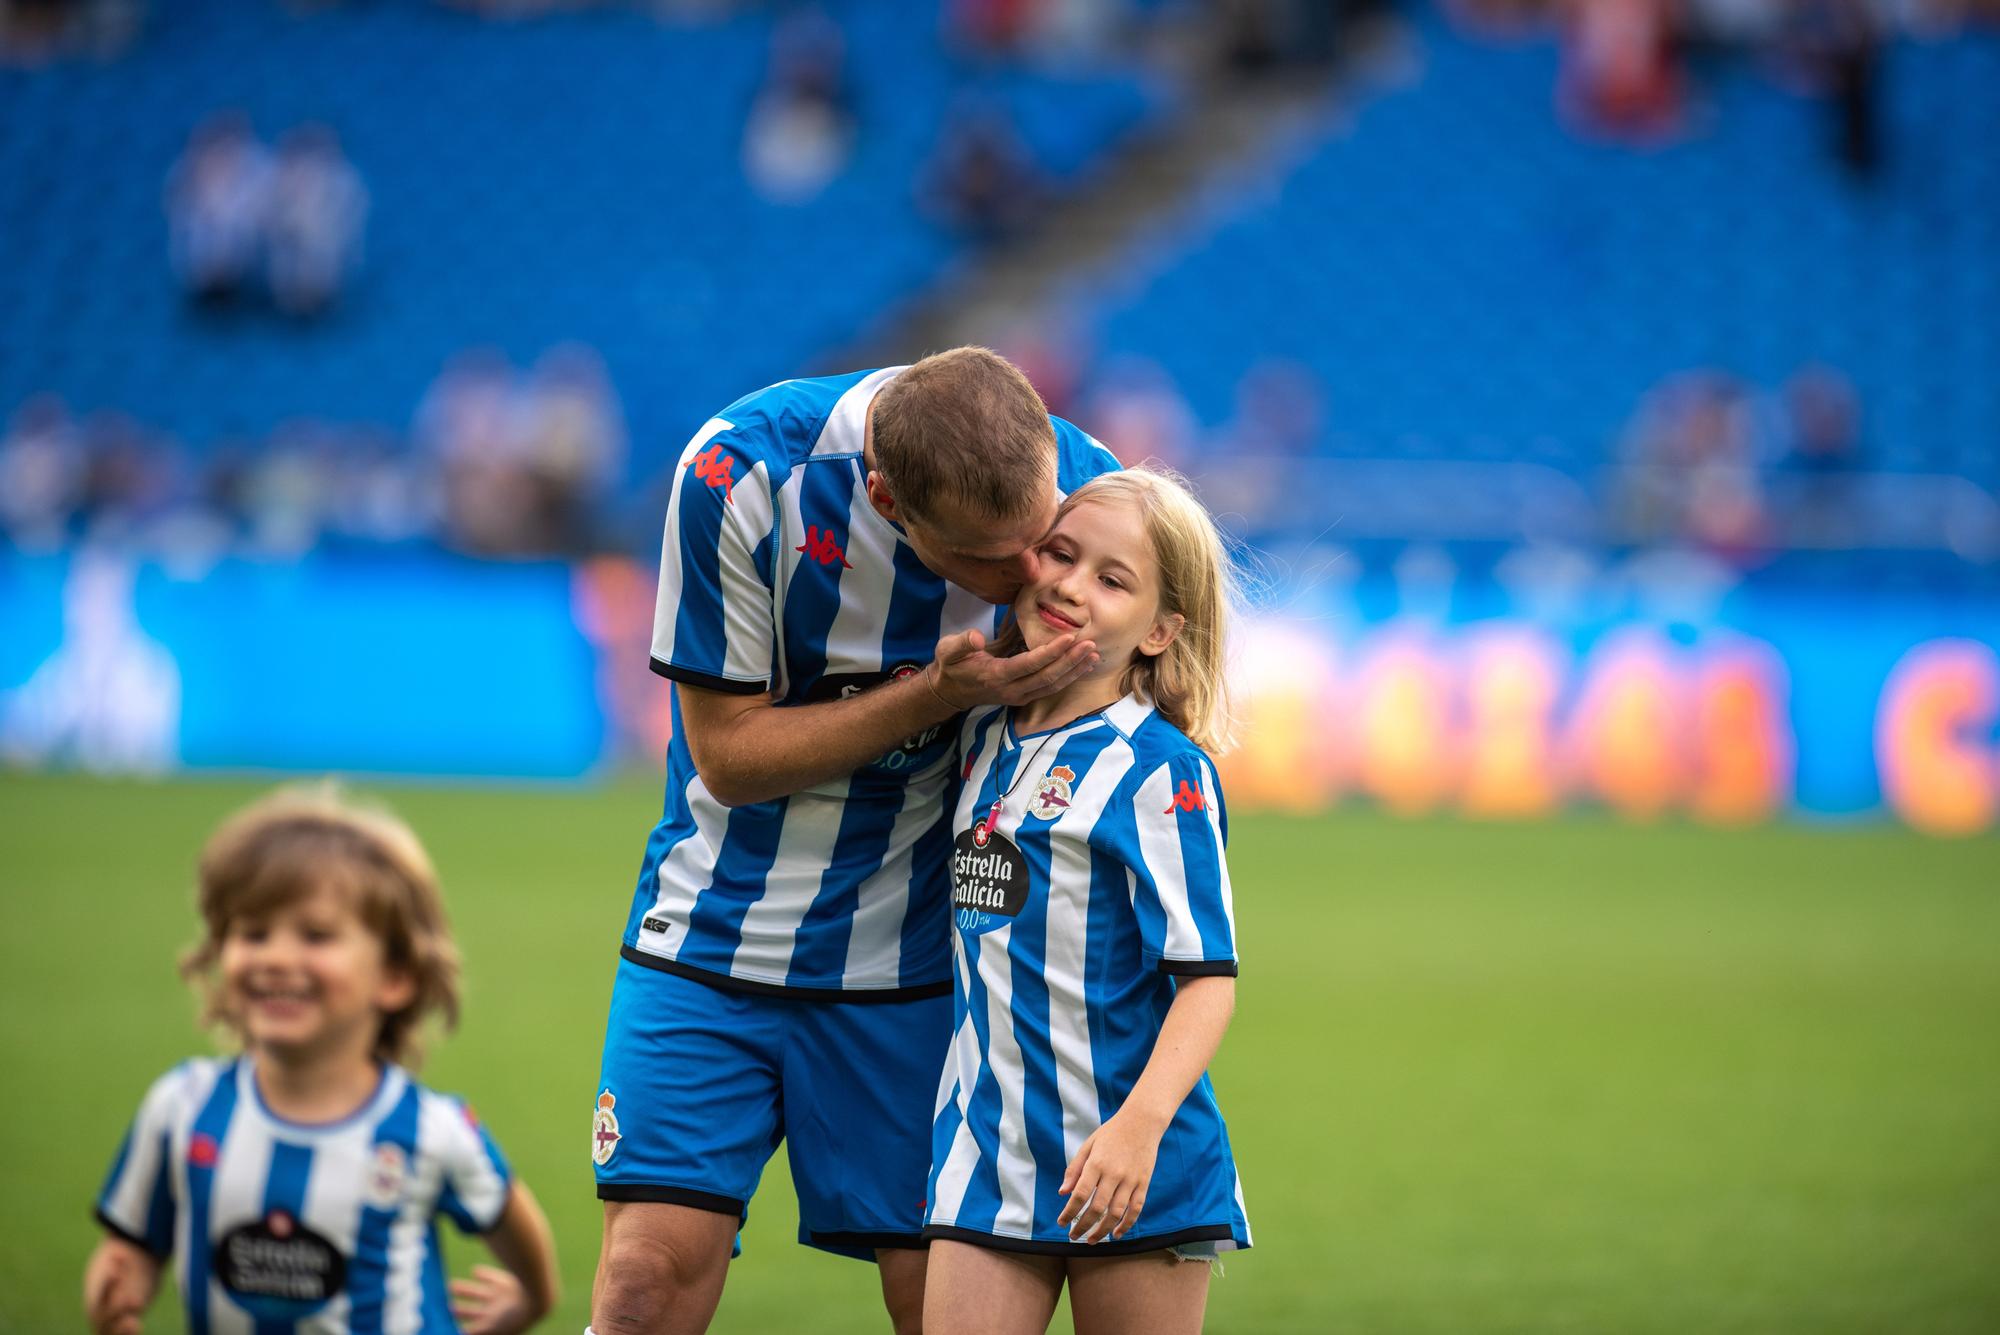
(1162, 634)
(879, 497)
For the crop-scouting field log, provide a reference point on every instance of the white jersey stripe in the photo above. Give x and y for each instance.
(1003, 1057)
(884, 898)
(1160, 850)
(805, 849)
(686, 864)
(1068, 947)
(746, 620)
(956, 1175)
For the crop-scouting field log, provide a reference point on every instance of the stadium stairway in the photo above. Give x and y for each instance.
(1216, 123)
(1471, 280)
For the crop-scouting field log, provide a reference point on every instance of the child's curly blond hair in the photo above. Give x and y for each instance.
(301, 840)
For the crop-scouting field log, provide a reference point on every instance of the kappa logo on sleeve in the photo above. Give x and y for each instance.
(716, 468)
(604, 1135)
(1187, 799)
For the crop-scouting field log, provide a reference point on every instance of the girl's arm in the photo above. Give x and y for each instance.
(498, 1301)
(1106, 1181)
(118, 1286)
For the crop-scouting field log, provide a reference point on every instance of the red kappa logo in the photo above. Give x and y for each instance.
(202, 1150)
(715, 468)
(1187, 799)
(822, 547)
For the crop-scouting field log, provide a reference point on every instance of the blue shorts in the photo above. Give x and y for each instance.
(699, 1085)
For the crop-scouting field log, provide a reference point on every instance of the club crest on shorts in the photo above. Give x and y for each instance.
(387, 1171)
(604, 1135)
(1052, 794)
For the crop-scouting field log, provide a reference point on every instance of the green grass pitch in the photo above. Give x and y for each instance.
(1483, 1078)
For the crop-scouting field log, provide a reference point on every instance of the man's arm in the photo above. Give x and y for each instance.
(747, 748)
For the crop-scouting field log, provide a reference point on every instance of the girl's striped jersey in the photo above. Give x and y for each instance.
(776, 574)
(1088, 875)
(325, 1229)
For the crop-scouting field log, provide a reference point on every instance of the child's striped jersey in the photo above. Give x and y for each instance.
(322, 1229)
(776, 574)
(1088, 875)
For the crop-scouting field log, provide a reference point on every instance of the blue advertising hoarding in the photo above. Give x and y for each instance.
(1764, 702)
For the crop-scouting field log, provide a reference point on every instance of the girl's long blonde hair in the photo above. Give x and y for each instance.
(1187, 681)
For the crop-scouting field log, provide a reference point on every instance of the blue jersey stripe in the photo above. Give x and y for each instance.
(930, 886)
(1041, 1103)
(1112, 950)
(211, 1125)
(858, 850)
(982, 1106)
(368, 1272)
(915, 620)
(285, 1189)
(749, 847)
(118, 1166)
(812, 598)
(1118, 831)
(437, 1294)
(160, 1204)
(676, 820)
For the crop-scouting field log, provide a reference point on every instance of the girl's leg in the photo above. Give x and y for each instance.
(972, 1290)
(1154, 1293)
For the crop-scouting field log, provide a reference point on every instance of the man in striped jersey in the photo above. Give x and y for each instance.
(836, 551)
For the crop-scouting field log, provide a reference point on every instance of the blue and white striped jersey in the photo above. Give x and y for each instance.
(325, 1229)
(1087, 873)
(776, 574)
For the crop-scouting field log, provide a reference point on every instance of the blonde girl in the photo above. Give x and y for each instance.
(1078, 1139)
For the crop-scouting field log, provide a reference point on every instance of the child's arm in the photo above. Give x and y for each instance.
(118, 1286)
(1106, 1181)
(497, 1301)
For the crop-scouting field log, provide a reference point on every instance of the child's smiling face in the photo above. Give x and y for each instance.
(1096, 576)
(309, 979)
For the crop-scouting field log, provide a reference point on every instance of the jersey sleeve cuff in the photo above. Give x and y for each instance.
(124, 1234)
(1199, 968)
(708, 681)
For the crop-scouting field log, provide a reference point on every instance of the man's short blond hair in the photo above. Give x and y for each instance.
(964, 430)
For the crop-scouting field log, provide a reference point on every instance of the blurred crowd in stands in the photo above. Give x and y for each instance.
(246, 220)
(497, 461)
(1629, 66)
(501, 460)
(504, 461)
(1707, 460)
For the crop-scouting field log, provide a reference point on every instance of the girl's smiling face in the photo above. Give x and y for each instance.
(1096, 576)
(309, 978)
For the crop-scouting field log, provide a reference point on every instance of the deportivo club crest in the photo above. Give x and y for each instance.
(604, 1135)
(1052, 794)
(386, 1174)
